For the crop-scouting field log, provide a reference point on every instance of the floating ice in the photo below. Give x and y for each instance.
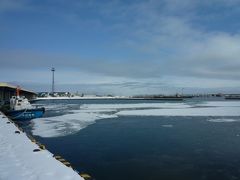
(201, 111)
(78, 119)
(65, 124)
(222, 120)
(167, 125)
(134, 106)
(221, 103)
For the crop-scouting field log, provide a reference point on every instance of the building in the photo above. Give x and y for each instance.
(7, 91)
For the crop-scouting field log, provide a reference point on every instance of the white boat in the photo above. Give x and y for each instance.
(21, 109)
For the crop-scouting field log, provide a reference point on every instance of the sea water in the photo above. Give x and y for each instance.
(144, 140)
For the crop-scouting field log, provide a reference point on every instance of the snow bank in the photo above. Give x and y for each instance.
(18, 161)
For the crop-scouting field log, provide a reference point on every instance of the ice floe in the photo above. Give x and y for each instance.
(167, 125)
(222, 120)
(221, 103)
(65, 124)
(74, 120)
(135, 106)
(201, 111)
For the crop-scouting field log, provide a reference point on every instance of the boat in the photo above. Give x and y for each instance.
(21, 109)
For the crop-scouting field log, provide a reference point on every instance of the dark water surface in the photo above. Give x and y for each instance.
(153, 148)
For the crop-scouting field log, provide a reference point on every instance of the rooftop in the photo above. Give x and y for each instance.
(3, 84)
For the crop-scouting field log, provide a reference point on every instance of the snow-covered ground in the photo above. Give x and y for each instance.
(19, 162)
(75, 120)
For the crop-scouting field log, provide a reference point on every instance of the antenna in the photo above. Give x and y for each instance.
(53, 70)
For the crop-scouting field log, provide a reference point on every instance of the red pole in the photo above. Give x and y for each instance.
(18, 90)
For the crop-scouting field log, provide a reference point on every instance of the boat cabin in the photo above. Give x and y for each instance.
(7, 91)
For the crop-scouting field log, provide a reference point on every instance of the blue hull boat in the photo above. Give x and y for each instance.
(25, 114)
(20, 108)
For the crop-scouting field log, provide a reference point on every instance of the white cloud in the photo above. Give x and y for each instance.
(171, 47)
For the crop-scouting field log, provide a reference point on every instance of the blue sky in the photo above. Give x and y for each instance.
(121, 47)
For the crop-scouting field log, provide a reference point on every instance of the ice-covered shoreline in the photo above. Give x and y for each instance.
(18, 161)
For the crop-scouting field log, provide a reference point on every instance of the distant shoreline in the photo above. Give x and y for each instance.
(106, 97)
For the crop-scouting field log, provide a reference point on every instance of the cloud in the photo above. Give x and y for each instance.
(147, 44)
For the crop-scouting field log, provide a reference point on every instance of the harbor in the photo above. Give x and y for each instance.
(124, 139)
(81, 137)
(70, 127)
(119, 90)
(26, 157)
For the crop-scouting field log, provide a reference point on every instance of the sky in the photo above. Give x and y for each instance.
(121, 47)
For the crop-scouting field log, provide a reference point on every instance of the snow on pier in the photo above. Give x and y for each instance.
(19, 161)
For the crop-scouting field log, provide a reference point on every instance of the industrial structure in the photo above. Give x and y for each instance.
(7, 91)
(53, 86)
